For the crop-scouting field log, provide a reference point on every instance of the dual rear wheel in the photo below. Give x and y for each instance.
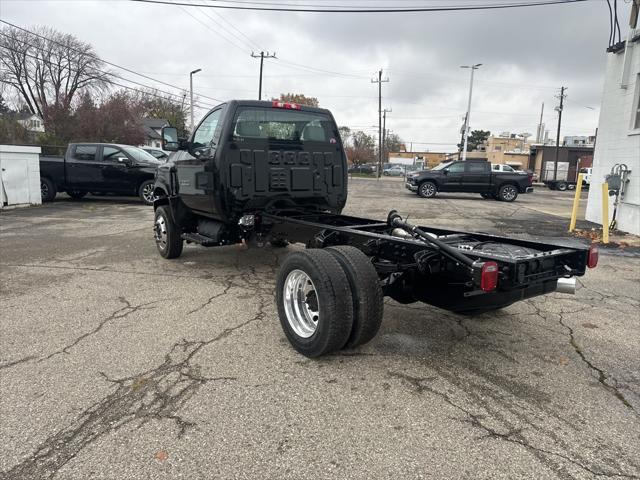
(328, 299)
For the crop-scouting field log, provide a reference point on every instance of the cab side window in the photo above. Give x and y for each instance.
(111, 154)
(206, 131)
(477, 167)
(85, 152)
(456, 168)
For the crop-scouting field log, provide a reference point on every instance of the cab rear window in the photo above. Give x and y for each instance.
(283, 125)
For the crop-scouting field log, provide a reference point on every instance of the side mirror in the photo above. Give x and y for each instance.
(170, 139)
(125, 161)
(445, 171)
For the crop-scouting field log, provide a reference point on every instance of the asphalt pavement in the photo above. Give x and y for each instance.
(118, 364)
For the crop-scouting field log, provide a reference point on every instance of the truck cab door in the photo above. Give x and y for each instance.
(196, 167)
(83, 170)
(477, 177)
(452, 179)
(118, 171)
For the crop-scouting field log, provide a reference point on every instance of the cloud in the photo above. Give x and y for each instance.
(528, 53)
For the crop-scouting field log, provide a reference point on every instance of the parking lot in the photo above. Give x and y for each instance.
(115, 363)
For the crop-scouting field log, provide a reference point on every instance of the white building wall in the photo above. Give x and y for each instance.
(19, 175)
(617, 141)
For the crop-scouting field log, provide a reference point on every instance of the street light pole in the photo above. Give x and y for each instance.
(468, 116)
(191, 90)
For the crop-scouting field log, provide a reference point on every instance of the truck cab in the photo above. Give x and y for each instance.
(248, 156)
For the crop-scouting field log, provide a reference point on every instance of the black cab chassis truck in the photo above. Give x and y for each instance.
(272, 172)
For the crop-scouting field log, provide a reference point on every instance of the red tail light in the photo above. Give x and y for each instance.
(285, 105)
(489, 276)
(592, 259)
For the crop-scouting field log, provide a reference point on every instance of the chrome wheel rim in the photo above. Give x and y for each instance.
(509, 193)
(160, 232)
(428, 189)
(301, 304)
(147, 193)
(44, 190)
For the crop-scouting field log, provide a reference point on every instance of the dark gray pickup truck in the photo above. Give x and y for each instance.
(473, 176)
(99, 168)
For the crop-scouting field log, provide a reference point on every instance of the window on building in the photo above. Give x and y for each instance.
(498, 148)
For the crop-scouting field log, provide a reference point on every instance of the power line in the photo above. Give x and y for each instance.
(211, 29)
(318, 9)
(104, 61)
(111, 82)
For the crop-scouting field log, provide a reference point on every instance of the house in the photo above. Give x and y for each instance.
(619, 131)
(570, 161)
(152, 128)
(30, 121)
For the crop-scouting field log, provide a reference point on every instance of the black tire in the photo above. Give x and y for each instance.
(427, 189)
(508, 193)
(76, 194)
(47, 189)
(562, 186)
(167, 235)
(368, 306)
(146, 192)
(330, 295)
(278, 243)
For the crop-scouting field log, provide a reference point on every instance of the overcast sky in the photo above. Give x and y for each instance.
(527, 54)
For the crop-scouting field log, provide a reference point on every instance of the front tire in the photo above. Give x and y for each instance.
(366, 293)
(508, 193)
(167, 235)
(47, 190)
(427, 189)
(146, 192)
(314, 301)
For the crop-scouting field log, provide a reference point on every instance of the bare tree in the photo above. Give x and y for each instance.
(49, 68)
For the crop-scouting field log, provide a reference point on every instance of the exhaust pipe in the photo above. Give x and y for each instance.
(566, 285)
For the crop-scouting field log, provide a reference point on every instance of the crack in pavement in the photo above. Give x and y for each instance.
(603, 378)
(156, 394)
(13, 363)
(511, 435)
(122, 312)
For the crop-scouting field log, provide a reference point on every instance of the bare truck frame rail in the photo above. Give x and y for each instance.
(329, 296)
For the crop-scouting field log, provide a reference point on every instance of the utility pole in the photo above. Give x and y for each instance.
(191, 90)
(380, 81)
(468, 117)
(262, 56)
(559, 110)
(384, 128)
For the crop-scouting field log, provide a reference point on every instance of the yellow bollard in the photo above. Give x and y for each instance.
(605, 212)
(576, 204)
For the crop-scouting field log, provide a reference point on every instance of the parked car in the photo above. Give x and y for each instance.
(100, 168)
(365, 169)
(498, 167)
(157, 153)
(395, 171)
(469, 176)
(329, 296)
